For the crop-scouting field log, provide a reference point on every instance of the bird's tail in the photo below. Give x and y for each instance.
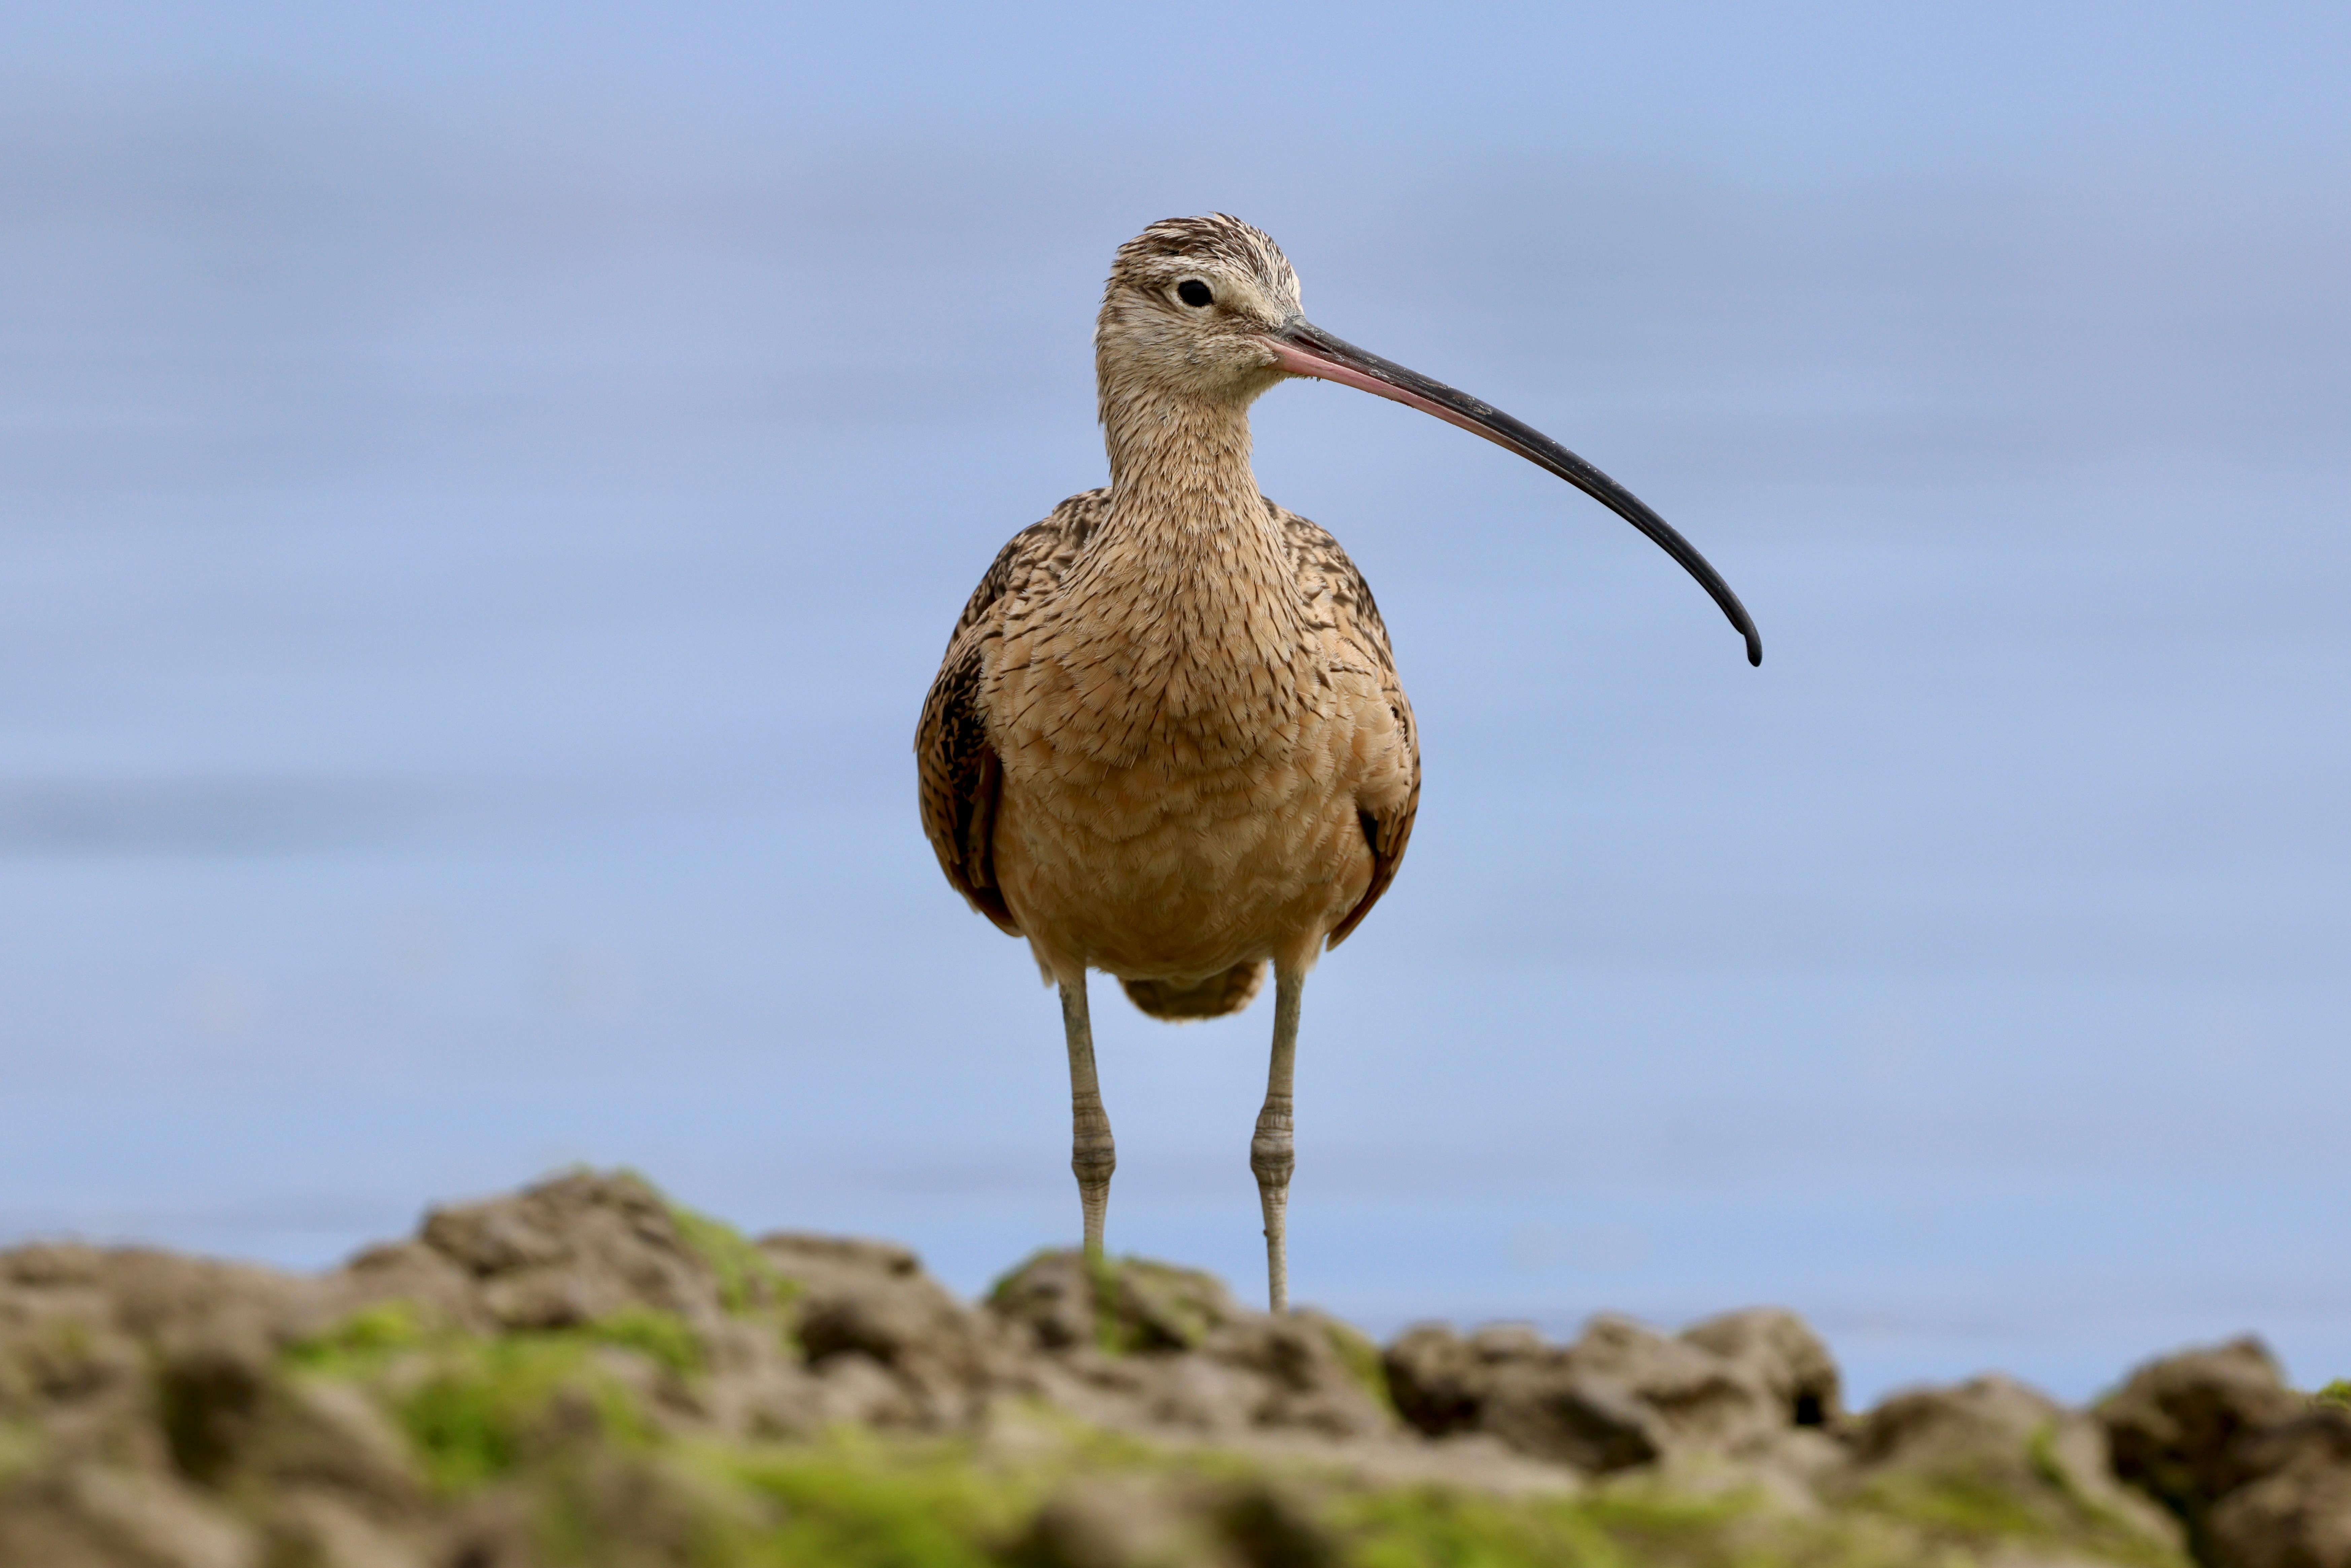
(1210, 999)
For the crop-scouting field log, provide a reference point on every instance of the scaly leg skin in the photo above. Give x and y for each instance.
(1273, 1151)
(1092, 1155)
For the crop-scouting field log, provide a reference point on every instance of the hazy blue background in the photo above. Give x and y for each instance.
(484, 489)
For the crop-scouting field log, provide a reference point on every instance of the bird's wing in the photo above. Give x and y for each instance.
(1323, 567)
(954, 757)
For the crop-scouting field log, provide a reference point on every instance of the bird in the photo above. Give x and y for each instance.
(1167, 741)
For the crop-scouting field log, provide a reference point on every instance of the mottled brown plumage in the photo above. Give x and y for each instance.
(1182, 776)
(1167, 741)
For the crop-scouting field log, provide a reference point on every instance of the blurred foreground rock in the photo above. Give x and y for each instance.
(2259, 1474)
(585, 1374)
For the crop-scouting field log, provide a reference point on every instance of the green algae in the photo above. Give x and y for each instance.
(749, 1281)
(1141, 1306)
(2089, 1518)
(662, 1338)
(1362, 1359)
(20, 1449)
(1112, 1335)
(475, 1407)
(1957, 1511)
(483, 1408)
(362, 1339)
(858, 1502)
(1434, 1527)
(853, 1502)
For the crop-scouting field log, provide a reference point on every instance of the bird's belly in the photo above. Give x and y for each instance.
(1159, 870)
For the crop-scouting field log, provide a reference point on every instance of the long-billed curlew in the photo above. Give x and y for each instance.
(1167, 741)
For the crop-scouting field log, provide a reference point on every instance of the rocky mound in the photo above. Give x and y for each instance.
(586, 1374)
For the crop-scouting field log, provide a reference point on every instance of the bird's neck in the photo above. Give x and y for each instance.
(1180, 483)
(1189, 571)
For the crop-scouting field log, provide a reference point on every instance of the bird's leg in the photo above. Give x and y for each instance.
(1092, 1155)
(1273, 1151)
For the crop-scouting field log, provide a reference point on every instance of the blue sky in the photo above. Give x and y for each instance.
(482, 491)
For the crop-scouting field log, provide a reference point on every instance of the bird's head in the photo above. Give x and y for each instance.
(1188, 312)
(1205, 311)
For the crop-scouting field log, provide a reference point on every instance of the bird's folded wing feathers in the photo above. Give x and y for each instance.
(1321, 563)
(957, 763)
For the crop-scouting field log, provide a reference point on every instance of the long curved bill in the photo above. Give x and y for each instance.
(1305, 350)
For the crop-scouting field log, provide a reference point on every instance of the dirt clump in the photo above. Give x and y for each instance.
(1622, 1395)
(2260, 1475)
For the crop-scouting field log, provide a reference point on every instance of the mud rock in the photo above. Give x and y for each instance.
(2261, 1475)
(312, 1432)
(1591, 1423)
(1127, 1522)
(1771, 1349)
(1048, 1304)
(2186, 1428)
(1993, 1436)
(2191, 1428)
(1622, 1395)
(67, 1368)
(1142, 1344)
(1269, 1525)
(1057, 1301)
(1695, 1398)
(1312, 1374)
(574, 1251)
(2296, 1512)
(319, 1530)
(1118, 1522)
(866, 1308)
(135, 1517)
(1436, 1380)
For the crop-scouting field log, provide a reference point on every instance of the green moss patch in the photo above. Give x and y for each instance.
(363, 1344)
(857, 1504)
(1141, 1306)
(1979, 1513)
(749, 1281)
(853, 1504)
(1431, 1525)
(475, 1407)
(662, 1338)
(483, 1408)
(361, 1341)
(1362, 1359)
(20, 1449)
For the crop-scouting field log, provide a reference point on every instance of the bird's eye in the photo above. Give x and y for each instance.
(1195, 293)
